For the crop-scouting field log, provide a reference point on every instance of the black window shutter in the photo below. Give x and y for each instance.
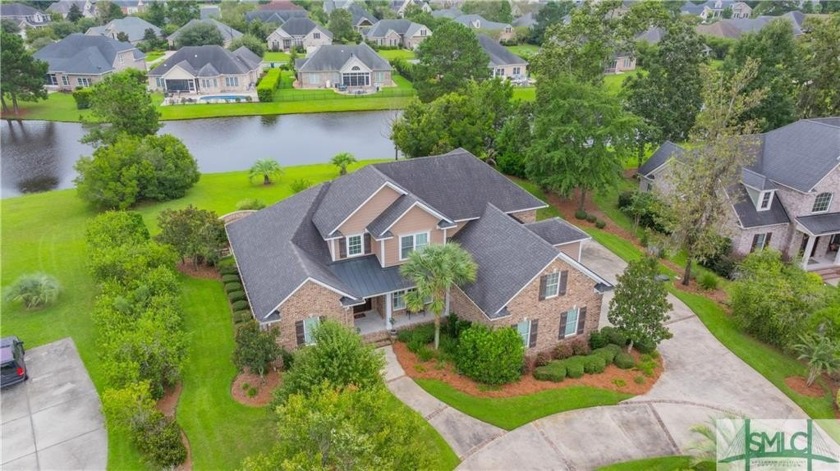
(754, 242)
(342, 248)
(767, 240)
(542, 287)
(581, 320)
(301, 338)
(563, 318)
(367, 244)
(322, 319)
(532, 342)
(564, 279)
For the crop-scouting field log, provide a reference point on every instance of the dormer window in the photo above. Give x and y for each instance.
(765, 200)
(354, 245)
(822, 203)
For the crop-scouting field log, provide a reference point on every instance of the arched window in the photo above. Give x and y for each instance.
(355, 67)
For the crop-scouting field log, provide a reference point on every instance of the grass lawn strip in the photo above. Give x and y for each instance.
(663, 463)
(512, 412)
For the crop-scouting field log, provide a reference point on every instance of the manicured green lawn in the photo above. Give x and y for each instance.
(391, 54)
(663, 463)
(271, 56)
(513, 412)
(447, 460)
(45, 232)
(525, 93)
(152, 56)
(525, 51)
(613, 82)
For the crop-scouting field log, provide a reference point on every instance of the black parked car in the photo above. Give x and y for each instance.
(13, 369)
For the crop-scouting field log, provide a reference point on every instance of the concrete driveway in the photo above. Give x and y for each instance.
(53, 420)
(702, 380)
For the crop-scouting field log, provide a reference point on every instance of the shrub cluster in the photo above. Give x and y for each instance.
(645, 208)
(268, 85)
(82, 97)
(255, 348)
(139, 330)
(578, 365)
(249, 204)
(403, 68)
(490, 356)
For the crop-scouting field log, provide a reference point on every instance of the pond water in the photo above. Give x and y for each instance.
(39, 155)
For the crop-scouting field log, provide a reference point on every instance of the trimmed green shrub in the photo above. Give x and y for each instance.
(230, 278)
(229, 270)
(575, 367)
(490, 356)
(598, 339)
(249, 204)
(415, 345)
(226, 262)
(554, 371)
(624, 361)
(563, 351)
(425, 353)
(543, 358)
(82, 97)
(422, 334)
(234, 296)
(267, 86)
(159, 440)
(454, 326)
(231, 287)
(580, 214)
(615, 336)
(242, 316)
(239, 306)
(594, 364)
(608, 353)
(645, 347)
(600, 224)
(591, 218)
(708, 281)
(625, 199)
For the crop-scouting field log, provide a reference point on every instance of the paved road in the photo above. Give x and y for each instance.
(53, 420)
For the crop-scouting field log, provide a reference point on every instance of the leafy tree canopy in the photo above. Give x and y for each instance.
(120, 104)
(640, 306)
(255, 44)
(21, 76)
(341, 25)
(551, 13)
(200, 34)
(181, 12)
(820, 94)
(492, 10)
(448, 61)
(197, 234)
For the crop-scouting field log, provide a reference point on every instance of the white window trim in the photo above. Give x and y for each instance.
(414, 242)
(556, 286)
(526, 341)
(763, 244)
(361, 245)
(827, 206)
(308, 333)
(577, 319)
(394, 305)
(761, 201)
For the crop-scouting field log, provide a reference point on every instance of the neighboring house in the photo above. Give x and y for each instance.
(713, 9)
(788, 197)
(209, 11)
(131, 7)
(362, 19)
(133, 27)
(476, 22)
(207, 69)
(228, 33)
(334, 252)
(277, 17)
(622, 62)
(24, 16)
(280, 5)
(357, 67)
(401, 33)
(503, 63)
(400, 6)
(450, 13)
(299, 32)
(528, 20)
(62, 7)
(81, 61)
(733, 29)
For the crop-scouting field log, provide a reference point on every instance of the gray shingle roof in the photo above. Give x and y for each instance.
(508, 256)
(17, 9)
(333, 57)
(756, 180)
(300, 26)
(133, 26)
(472, 20)
(345, 195)
(451, 13)
(499, 55)
(527, 20)
(735, 27)
(274, 16)
(652, 35)
(751, 217)
(380, 225)
(365, 277)
(556, 231)
(81, 54)
(401, 27)
(819, 224)
(440, 182)
(360, 14)
(228, 33)
(665, 151)
(64, 6)
(196, 58)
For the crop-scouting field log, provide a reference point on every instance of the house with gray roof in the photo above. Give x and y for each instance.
(277, 17)
(397, 33)
(503, 63)
(228, 33)
(299, 32)
(81, 61)
(207, 70)
(788, 197)
(24, 16)
(451, 13)
(344, 65)
(131, 26)
(62, 7)
(361, 18)
(334, 252)
(735, 28)
(504, 31)
(400, 6)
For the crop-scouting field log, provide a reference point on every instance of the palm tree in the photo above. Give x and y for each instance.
(821, 353)
(434, 270)
(266, 168)
(33, 290)
(342, 160)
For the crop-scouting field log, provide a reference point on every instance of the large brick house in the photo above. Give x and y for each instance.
(81, 61)
(334, 251)
(786, 196)
(344, 65)
(298, 32)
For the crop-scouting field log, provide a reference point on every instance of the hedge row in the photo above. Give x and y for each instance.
(268, 85)
(576, 366)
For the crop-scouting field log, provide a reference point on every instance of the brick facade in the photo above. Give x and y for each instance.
(311, 300)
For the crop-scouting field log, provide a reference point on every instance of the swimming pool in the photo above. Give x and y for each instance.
(227, 97)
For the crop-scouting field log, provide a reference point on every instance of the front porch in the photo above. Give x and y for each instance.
(819, 248)
(372, 321)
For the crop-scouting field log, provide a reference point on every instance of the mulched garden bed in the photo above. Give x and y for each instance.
(167, 405)
(799, 384)
(444, 371)
(265, 386)
(199, 271)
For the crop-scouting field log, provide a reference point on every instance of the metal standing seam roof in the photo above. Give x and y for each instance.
(81, 54)
(499, 55)
(366, 277)
(197, 58)
(332, 57)
(821, 224)
(556, 231)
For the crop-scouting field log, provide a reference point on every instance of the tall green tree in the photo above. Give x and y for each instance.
(448, 60)
(74, 14)
(252, 43)
(668, 97)
(820, 95)
(720, 150)
(551, 13)
(581, 136)
(21, 76)
(120, 104)
(196, 234)
(514, 140)
(255, 348)
(181, 12)
(341, 25)
(233, 13)
(108, 11)
(200, 34)
(156, 14)
(434, 271)
(779, 72)
(640, 306)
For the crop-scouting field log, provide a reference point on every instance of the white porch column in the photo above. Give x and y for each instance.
(808, 249)
(388, 311)
(837, 257)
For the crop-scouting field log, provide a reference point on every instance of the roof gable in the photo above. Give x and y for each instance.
(800, 154)
(82, 54)
(499, 55)
(333, 57)
(238, 62)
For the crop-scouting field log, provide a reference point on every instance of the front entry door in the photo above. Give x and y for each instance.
(362, 307)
